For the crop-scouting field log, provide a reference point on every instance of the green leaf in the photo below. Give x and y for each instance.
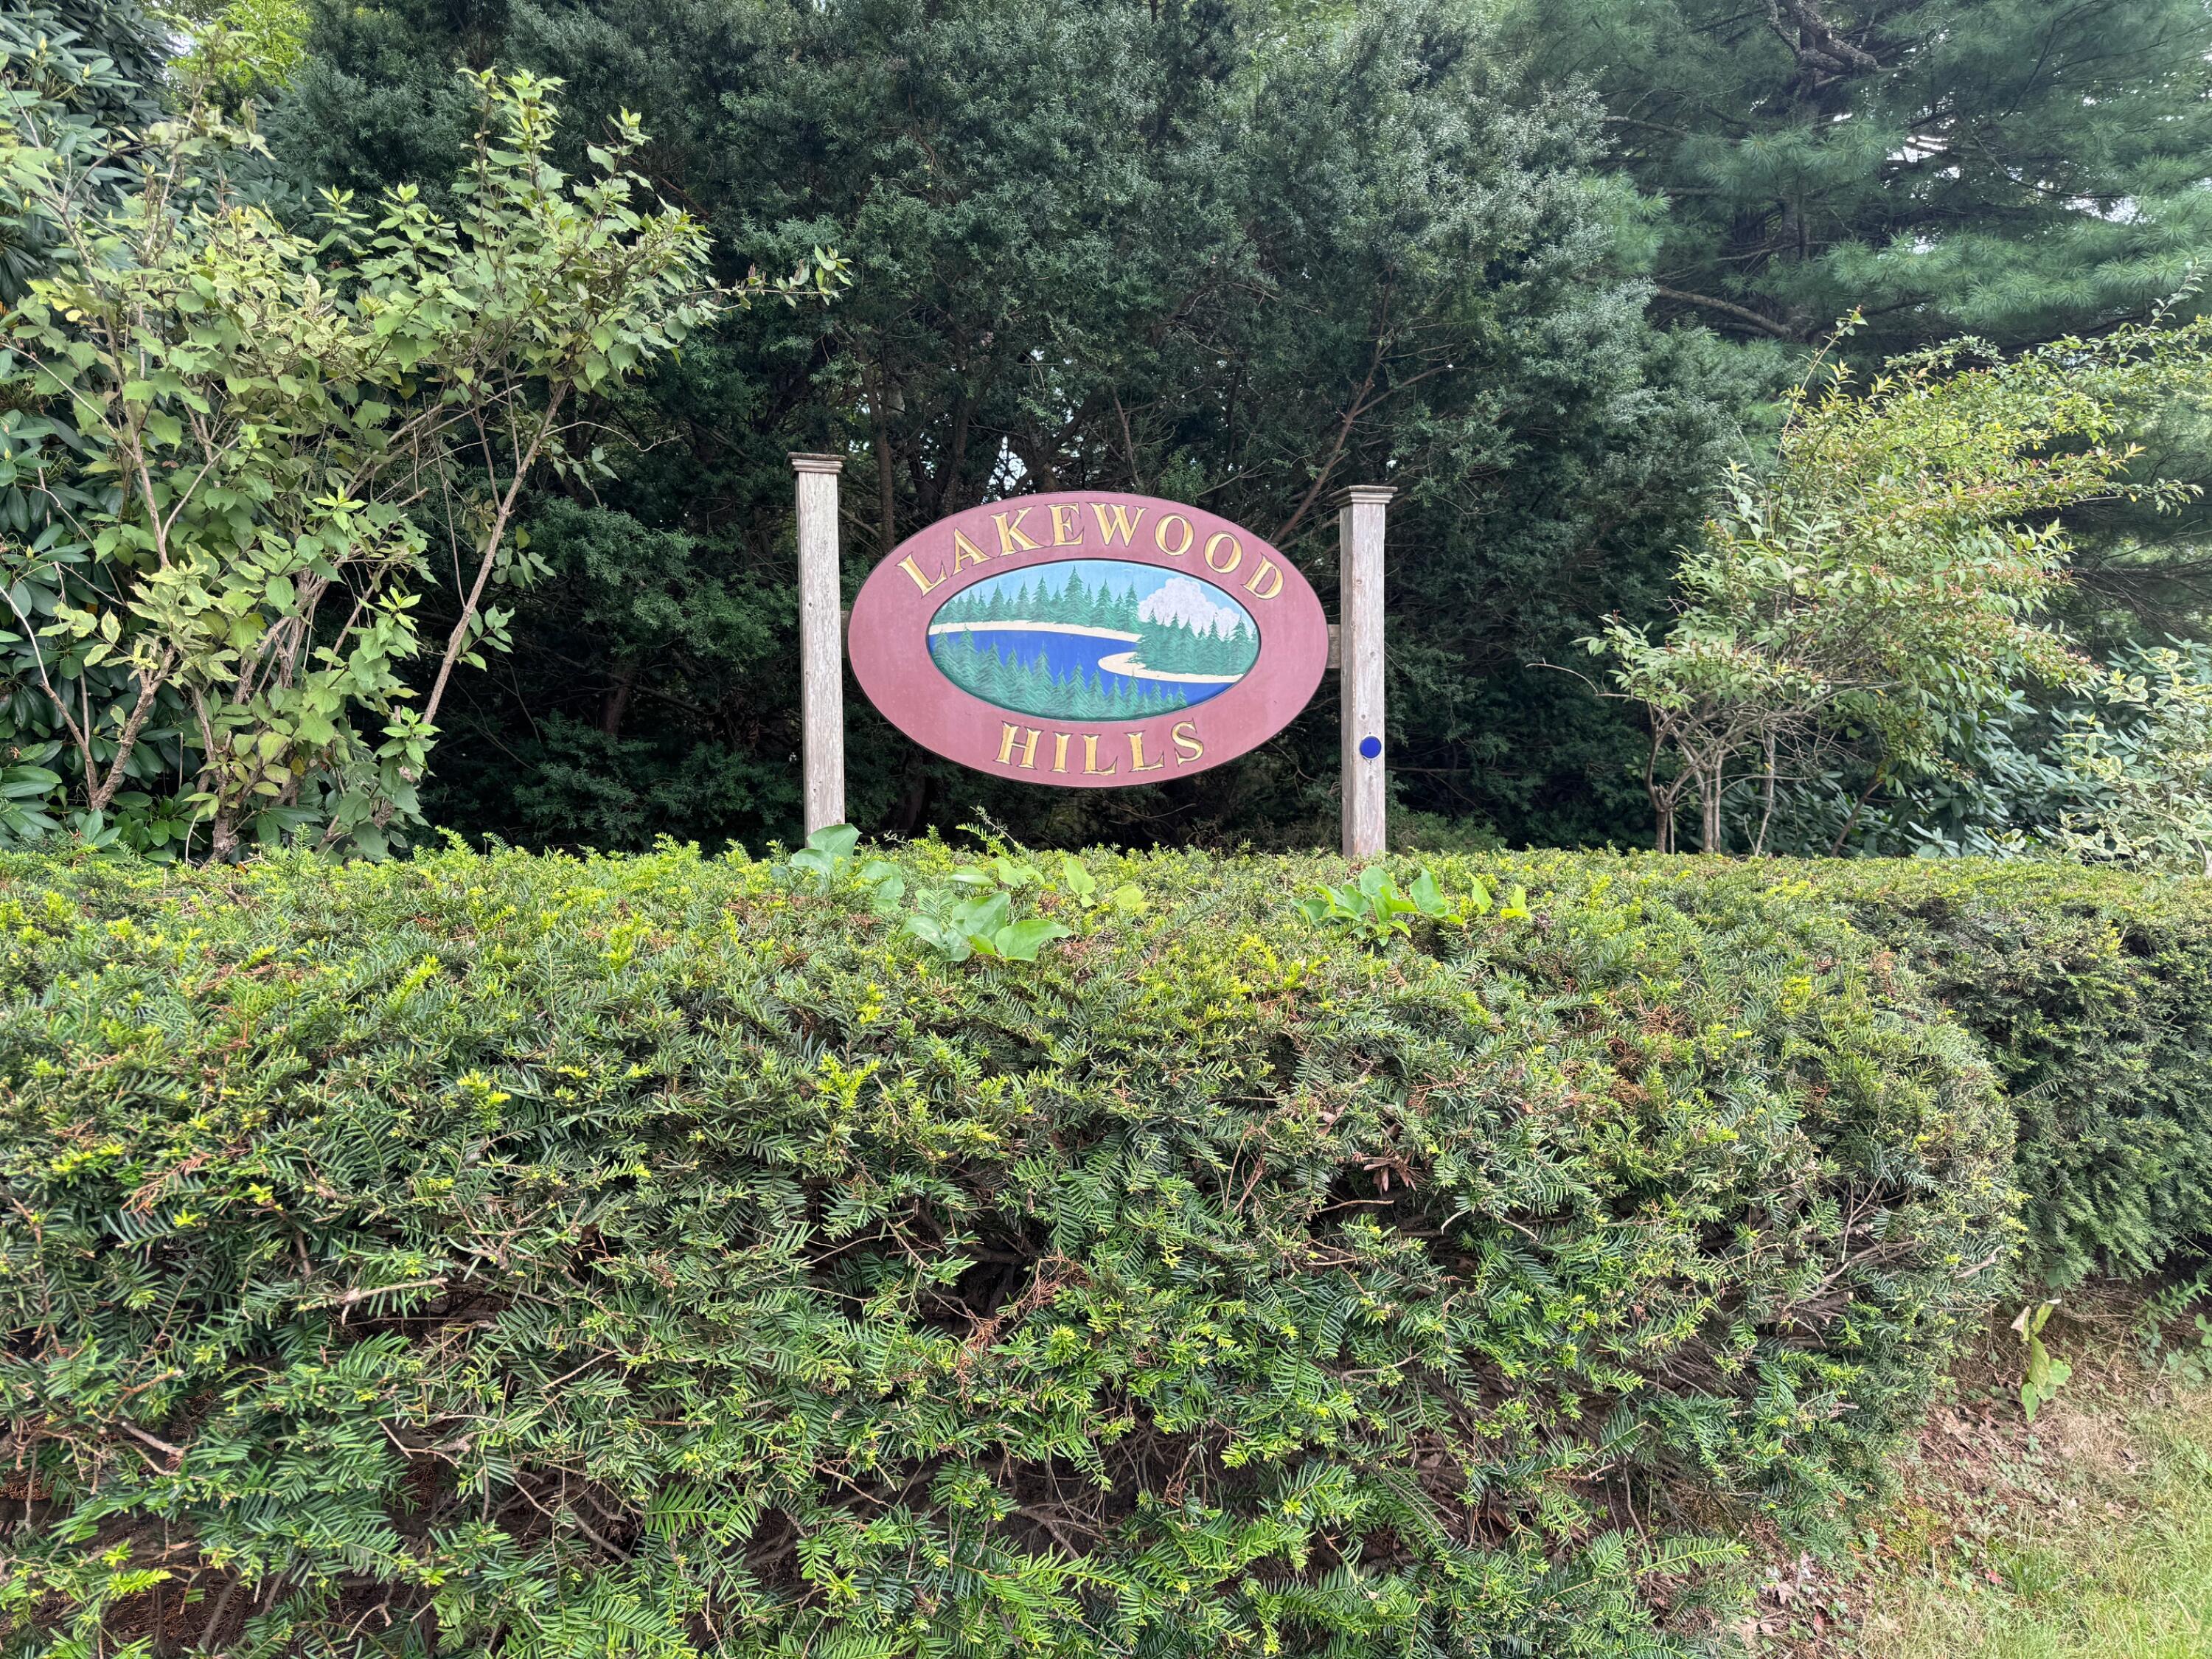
(1020, 941)
(28, 782)
(951, 942)
(981, 917)
(825, 856)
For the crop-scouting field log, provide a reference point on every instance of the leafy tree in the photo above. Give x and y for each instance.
(246, 442)
(1202, 251)
(1890, 577)
(2016, 169)
(244, 48)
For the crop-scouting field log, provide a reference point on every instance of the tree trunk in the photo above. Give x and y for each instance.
(880, 418)
(1766, 796)
(617, 699)
(914, 799)
(493, 541)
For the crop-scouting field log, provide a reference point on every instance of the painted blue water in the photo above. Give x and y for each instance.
(1064, 654)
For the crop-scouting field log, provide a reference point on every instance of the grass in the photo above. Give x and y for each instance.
(2086, 1535)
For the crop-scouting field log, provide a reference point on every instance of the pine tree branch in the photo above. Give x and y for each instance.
(1727, 308)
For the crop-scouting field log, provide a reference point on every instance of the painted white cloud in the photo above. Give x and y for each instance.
(1181, 601)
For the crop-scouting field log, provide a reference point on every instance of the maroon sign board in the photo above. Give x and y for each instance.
(1087, 639)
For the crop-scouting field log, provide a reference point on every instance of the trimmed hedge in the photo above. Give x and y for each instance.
(2091, 990)
(538, 1255)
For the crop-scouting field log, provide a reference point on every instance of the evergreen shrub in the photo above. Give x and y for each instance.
(540, 1256)
(2091, 991)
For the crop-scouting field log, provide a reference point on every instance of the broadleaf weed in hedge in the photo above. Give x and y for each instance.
(1077, 881)
(972, 910)
(826, 855)
(1377, 908)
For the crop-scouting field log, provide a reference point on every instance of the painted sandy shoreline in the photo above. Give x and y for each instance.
(1125, 662)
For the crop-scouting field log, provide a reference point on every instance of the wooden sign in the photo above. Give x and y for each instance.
(1087, 639)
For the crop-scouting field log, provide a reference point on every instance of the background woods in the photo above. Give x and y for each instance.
(1549, 267)
(1233, 258)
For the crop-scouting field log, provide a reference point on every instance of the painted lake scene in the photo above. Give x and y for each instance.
(1093, 638)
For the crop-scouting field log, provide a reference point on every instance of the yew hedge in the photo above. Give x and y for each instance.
(2091, 991)
(537, 1256)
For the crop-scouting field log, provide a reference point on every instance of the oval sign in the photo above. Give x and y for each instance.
(1087, 639)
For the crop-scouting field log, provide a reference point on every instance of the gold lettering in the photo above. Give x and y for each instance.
(1123, 521)
(924, 583)
(1160, 536)
(1011, 539)
(1090, 767)
(1061, 531)
(965, 552)
(1266, 569)
(1029, 748)
(1137, 754)
(1187, 747)
(1060, 751)
(1236, 553)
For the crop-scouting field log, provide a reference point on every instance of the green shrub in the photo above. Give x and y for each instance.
(539, 1256)
(2091, 990)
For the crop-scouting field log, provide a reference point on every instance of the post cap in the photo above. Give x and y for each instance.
(817, 463)
(1366, 494)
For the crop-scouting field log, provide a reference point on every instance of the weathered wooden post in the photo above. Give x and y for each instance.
(1359, 540)
(821, 652)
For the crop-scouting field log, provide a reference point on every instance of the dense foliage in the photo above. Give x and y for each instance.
(2089, 990)
(230, 448)
(1236, 255)
(2136, 765)
(1244, 252)
(1887, 583)
(2012, 169)
(80, 76)
(540, 1256)
(874, 1256)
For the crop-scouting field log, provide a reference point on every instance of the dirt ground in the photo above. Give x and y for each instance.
(2086, 1533)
